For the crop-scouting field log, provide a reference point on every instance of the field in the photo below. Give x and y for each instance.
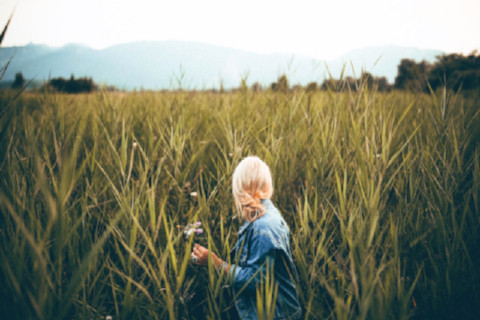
(380, 190)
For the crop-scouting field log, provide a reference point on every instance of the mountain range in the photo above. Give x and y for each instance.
(192, 65)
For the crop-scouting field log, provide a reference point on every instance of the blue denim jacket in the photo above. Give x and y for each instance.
(265, 239)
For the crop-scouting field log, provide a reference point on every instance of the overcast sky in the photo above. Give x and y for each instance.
(322, 29)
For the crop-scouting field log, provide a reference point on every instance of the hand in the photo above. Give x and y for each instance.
(202, 255)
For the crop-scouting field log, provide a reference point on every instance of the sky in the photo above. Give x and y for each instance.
(320, 29)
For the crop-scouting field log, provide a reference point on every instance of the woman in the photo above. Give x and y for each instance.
(263, 241)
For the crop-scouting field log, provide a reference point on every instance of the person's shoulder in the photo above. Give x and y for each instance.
(271, 219)
(270, 228)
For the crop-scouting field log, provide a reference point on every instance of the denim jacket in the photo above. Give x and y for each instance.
(265, 239)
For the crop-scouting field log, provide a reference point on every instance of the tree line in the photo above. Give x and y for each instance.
(60, 84)
(453, 71)
(73, 85)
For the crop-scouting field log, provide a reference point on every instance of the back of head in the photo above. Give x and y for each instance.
(252, 181)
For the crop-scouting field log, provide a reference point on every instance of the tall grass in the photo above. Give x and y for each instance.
(381, 192)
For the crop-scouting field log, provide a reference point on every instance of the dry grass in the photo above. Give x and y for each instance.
(381, 192)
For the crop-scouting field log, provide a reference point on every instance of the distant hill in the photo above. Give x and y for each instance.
(171, 64)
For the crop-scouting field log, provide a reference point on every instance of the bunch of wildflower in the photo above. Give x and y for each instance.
(191, 228)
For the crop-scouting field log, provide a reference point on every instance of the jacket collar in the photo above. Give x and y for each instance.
(244, 227)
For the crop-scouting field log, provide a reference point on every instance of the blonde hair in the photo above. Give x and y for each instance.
(251, 182)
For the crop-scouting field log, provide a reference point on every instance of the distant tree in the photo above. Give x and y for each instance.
(281, 85)
(352, 84)
(58, 84)
(412, 75)
(382, 84)
(311, 87)
(333, 85)
(377, 83)
(73, 85)
(19, 81)
(455, 71)
(367, 79)
(274, 86)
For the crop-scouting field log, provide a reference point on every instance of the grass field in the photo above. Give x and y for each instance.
(381, 192)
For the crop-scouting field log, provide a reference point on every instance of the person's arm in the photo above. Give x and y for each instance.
(262, 251)
(202, 256)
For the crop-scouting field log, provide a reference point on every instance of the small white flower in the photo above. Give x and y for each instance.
(135, 145)
(193, 194)
(108, 318)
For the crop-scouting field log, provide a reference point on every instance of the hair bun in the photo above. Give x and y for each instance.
(252, 181)
(253, 207)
